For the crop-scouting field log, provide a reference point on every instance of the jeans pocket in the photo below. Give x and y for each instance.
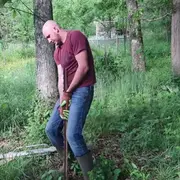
(83, 94)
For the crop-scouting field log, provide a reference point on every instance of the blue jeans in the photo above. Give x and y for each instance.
(80, 105)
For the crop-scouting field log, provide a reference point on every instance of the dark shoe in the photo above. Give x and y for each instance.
(86, 164)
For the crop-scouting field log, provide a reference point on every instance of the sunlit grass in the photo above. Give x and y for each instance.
(17, 86)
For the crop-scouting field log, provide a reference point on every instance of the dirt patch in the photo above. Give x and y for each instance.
(109, 146)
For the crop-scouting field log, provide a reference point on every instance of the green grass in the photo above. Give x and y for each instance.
(143, 107)
(24, 168)
(15, 52)
(17, 87)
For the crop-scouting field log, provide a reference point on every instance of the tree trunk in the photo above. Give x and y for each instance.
(137, 50)
(125, 34)
(168, 31)
(175, 38)
(46, 71)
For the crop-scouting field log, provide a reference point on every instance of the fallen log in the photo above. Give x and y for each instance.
(4, 158)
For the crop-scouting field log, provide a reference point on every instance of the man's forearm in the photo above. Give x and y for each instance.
(79, 75)
(60, 81)
(60, 88)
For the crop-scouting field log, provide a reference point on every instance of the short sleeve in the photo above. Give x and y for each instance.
(78, 41)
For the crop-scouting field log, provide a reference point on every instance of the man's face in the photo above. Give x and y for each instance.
(51, 34)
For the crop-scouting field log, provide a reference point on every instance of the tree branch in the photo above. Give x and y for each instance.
(20, 10)
(156, 19)
(27, 6)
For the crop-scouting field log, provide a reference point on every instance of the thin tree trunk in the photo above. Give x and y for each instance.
(137, 50)
(175, 38)
(46, 70)
(109, 26)
(125, 34)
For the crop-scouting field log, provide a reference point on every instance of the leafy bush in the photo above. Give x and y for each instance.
(108, 63)
(38, 115)
(104, 169)
(152, 51)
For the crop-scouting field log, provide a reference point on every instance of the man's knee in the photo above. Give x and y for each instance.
(49, 129)
(53, 126)
(73, 138)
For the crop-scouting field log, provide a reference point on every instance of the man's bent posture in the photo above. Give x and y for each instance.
(76, 79)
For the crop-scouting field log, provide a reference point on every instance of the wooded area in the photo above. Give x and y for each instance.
(134, 121)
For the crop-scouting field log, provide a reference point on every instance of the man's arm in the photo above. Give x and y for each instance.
(60, 81)
(83, 67)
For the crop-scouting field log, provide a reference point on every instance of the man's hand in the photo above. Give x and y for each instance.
(64, 105)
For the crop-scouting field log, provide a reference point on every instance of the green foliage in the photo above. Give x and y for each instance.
(76, 14)
(75, 167)
(161, 28)
(5, 24)
(16, 90)
(105, 62)
(18, 24)
(80, 14)
(145, 120)
(52, 175)
(152, 51)
(2, 2)
(38, 115)
(104, 169)
(158, 6)
(144, 107)
(22, 168)
(13, 170)
(172, 131)
(10, 53)
(109, 63)
(134, 171)
(107, 9)
(166, 172)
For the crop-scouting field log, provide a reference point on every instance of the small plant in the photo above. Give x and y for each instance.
(75, 167)
(134, 172)
(104, 169)
(52, 175)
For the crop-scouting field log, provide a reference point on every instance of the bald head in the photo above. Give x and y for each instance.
(50, 22)
(51, 31)
(49, 26)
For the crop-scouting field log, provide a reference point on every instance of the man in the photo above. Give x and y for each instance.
(76, 77)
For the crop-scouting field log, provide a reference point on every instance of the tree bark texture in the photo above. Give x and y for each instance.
(137, 50)
(175, 38)
(46, 71)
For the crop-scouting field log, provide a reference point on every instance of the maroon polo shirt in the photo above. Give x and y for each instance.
(75, 43)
